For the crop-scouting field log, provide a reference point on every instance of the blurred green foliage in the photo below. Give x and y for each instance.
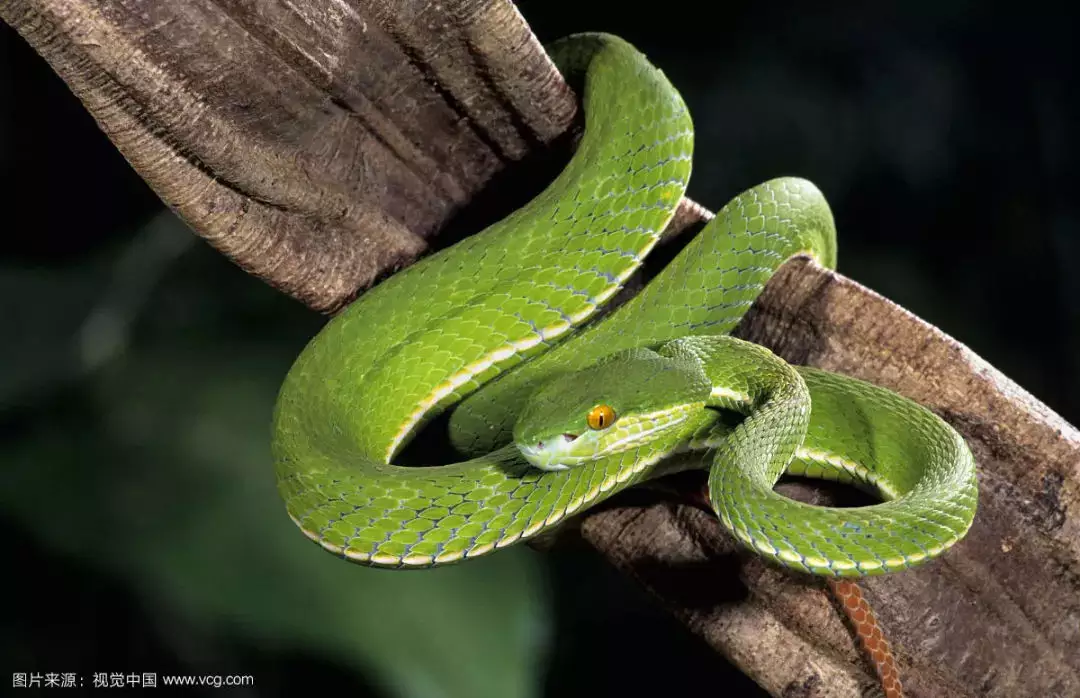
(154, 464)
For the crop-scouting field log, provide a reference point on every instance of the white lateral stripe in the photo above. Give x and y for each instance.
(507, 351)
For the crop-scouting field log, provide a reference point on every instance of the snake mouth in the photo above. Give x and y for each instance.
(550, 454)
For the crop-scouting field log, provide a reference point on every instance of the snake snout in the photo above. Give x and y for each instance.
(549, 454)
(566, 437)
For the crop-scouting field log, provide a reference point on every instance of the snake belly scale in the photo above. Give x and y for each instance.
(553, 411)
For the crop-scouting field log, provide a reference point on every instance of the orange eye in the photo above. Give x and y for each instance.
(600, 417)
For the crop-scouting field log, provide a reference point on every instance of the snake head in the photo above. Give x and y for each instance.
(625, 401)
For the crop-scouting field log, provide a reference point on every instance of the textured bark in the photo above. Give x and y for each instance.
(316, 144)
(321, 145)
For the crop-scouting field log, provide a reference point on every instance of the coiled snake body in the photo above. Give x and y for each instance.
(555, 412)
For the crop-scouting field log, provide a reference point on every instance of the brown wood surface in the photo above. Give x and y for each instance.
(324, 144)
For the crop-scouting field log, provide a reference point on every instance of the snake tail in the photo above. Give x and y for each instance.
(864, 624)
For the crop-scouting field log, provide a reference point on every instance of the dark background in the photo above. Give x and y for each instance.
(138, 367)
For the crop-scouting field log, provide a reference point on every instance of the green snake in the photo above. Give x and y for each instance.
(553, 404)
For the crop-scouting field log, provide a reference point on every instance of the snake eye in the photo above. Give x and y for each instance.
(600, 417)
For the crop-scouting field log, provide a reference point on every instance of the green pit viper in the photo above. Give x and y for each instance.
(554, 410)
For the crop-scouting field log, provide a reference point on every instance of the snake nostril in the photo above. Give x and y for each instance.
(539, 444)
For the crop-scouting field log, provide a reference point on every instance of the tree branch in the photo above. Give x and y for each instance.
(321, 147)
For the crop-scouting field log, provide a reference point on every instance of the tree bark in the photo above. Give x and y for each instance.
(323, 145)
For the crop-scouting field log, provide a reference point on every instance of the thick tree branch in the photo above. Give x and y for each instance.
(316, 144)
(322, 145)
